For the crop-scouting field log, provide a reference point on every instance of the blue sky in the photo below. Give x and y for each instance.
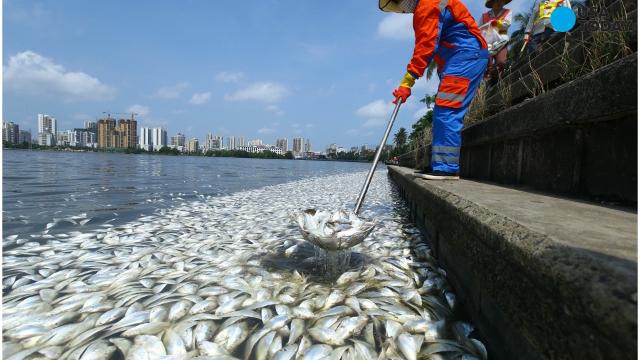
(264, 69)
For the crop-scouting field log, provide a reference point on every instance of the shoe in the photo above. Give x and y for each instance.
(438, 175)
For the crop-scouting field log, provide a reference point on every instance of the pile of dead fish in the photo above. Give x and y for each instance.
(192, 282)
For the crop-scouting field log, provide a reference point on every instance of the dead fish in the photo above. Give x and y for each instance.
(317, 352)
(98, 350)
(173, 343)
(286, 353)
(111, 316)
(146, 329)
(203, 306)
(179, 310)
(409, 345)
(327, 336)
(232, 336)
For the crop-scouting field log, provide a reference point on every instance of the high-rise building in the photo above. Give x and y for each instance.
(128, 130)
(307, 146)
(47, 123)
(107, 135)
(63, 138)
(46, 139)
(145, 140)
(231, 143)
(10, 132)
(193, 145)
(208, 142)
(255, 142)
(82, 138)
(282, 144)
(123, 135)
(213, 142)
(91, 125)
(24, 136)
(159, 138)
(298, 145)
(178, 142)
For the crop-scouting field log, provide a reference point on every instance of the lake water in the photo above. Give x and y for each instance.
(115, 256)
(40, 186)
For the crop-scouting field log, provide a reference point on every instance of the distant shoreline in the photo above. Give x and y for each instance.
(281, 157)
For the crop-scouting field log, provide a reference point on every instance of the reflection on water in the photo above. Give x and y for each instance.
(42, 187)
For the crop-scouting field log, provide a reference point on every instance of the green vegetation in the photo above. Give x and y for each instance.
(163, 151)
(420, 131)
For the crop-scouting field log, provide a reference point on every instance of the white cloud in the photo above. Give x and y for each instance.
(275, 109)
(229, 76)
(266, 131)
(378, 108)
(171, 92)
(420, 113)
(30, 73)
(373, 123)
(396, 26)
(375, 113)
(200, 98)
(423, 85)
(141, 110)
(268, 92)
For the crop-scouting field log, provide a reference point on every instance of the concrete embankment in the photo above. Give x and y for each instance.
(542, 276)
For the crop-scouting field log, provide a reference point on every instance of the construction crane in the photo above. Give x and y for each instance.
(119, 113)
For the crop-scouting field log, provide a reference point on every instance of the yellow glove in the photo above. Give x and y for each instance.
(498, 24)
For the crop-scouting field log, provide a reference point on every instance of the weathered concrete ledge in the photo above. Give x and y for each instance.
(542, 276)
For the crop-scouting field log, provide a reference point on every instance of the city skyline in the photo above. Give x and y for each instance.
(48, 123)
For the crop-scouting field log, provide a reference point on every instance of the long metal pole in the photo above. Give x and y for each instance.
(367, 182)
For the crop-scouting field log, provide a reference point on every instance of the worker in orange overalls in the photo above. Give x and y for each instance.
(446, 33)
(494, 27)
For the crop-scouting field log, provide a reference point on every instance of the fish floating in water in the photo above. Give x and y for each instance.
(192, 282)
(333, 231)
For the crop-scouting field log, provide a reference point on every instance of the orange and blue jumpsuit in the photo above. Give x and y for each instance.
(446, 33)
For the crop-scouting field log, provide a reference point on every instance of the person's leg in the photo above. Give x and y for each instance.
(501, 61)
(460, 81)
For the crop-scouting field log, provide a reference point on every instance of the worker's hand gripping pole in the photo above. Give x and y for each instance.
(365, 187)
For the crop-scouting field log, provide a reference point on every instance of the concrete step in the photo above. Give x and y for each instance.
(579, 139)
(542, 276)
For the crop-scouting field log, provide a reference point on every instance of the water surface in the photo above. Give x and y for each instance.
(40, 187)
